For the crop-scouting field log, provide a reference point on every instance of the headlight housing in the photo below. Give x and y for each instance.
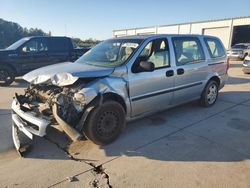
(79, 101)
(80, 97)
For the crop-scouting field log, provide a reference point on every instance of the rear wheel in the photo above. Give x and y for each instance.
(7, 76)
(105, 123)
(210, 94)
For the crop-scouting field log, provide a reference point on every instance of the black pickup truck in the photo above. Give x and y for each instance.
(31, 53)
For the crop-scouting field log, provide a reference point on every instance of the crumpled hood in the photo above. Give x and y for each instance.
(66, 73)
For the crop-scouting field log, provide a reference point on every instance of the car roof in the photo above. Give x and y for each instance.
(31, 37)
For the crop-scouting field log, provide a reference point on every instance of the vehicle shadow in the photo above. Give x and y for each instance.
(185, 133)
(236, 65)
(196, 139)
(238, 80)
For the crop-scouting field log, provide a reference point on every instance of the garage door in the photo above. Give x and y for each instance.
(241, 34)
(223, 33)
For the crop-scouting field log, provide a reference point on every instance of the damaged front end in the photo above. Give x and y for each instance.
(44, 105)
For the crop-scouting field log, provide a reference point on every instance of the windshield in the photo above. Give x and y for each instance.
(110, 53)
(17, 44)
(241, 46)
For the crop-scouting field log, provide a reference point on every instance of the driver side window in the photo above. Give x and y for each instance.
(157, 52)
(35, 45)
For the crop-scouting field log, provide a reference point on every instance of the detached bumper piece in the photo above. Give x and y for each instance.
(25, 123)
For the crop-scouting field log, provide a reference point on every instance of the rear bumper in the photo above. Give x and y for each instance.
(27, 123)
(223, 79)
(235, 56)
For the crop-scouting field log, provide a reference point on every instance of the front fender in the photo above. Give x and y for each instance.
(107, 85)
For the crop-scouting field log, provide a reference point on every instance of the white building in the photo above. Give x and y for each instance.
(230, 31)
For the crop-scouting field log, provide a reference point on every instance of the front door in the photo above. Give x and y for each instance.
(152, 91)
(33, 54)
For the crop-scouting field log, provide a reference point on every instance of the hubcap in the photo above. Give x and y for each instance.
(107, 124)
(212, 94)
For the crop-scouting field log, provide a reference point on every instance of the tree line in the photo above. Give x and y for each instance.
(10, 32)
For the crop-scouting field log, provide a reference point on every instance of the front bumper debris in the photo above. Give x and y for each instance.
(26, 123)
(45, 105)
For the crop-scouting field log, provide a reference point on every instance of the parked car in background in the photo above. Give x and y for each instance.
(246, 65)
(31, 53)
(239, 51)
(118, 80)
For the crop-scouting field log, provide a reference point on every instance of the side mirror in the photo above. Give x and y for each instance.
(146, 66)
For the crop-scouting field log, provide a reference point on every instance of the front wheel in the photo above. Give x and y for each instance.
(7, 76)
(210, 94)
(105, 123)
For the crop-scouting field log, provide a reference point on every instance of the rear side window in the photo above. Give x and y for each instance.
(188, 50)
(215, 47)
(58, 44)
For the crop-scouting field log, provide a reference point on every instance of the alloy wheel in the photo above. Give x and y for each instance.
(212, 93)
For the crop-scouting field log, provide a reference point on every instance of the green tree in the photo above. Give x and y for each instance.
(10, 32)
(87, 42)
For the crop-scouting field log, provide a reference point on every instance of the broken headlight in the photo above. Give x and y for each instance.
(84, 97)
(79, 101)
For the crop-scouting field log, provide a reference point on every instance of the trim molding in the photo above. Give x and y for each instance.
(215, 63)
(165, 91)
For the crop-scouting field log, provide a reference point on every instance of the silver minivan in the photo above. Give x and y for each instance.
(118, 80)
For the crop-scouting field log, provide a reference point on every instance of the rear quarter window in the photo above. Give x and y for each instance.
(215, 47)
(58, 44)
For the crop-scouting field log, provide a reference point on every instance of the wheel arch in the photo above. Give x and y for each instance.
(100, 98)
(216, 79)
(115, 97)
(10, 66)
(213, 77)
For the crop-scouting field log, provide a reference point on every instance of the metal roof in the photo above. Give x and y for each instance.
(157, 35)
(215, 20)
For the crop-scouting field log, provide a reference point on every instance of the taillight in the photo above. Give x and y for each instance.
(228, 65)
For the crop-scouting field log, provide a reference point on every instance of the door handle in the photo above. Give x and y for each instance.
(169, 73)
(180, 71)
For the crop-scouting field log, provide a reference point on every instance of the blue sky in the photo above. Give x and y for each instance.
(98, 18)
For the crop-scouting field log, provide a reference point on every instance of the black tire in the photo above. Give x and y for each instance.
(105, 123)
(7, 75)
(208, 96)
